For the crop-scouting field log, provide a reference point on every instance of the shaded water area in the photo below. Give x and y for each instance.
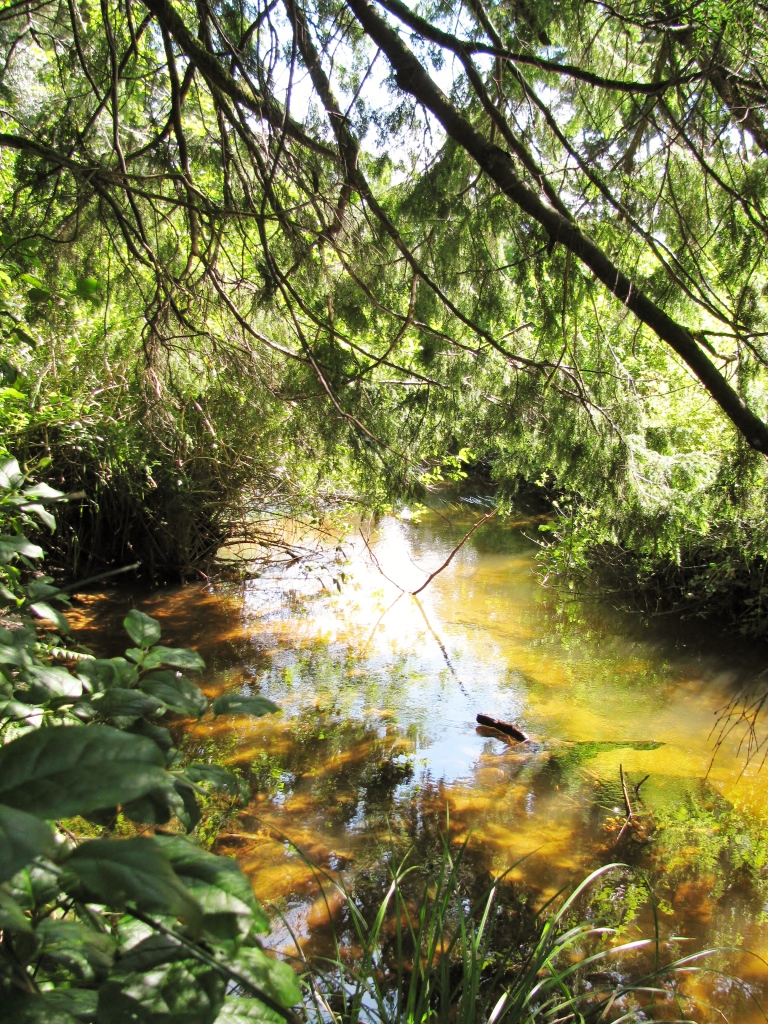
(376, 748)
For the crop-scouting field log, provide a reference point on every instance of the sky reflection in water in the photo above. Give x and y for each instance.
(377, 738)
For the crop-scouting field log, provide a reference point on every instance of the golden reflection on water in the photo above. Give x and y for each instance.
(376, 746)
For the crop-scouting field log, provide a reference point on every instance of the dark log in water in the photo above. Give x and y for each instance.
(506, 727)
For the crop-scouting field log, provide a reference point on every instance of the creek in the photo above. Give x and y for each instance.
(376, 748)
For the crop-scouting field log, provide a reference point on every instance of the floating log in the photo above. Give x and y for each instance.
(506, 727)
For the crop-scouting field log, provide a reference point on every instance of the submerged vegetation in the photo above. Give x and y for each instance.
(101, 923)
(257, 253)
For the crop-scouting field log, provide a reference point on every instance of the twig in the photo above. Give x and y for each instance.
(376, 562)
(460, 545)
(640, 783)
(73, 587)
(627, 804)
(204, 957)
(441, 645)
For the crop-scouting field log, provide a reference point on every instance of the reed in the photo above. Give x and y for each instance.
(434, 961)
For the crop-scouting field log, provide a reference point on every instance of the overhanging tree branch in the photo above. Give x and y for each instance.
(412, 78)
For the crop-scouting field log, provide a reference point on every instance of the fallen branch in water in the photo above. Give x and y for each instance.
(631, 820)
(508, 728)
(458, 547)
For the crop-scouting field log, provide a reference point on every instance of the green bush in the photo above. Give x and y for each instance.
(148, 928)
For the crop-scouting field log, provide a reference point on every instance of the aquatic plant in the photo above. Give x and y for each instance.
(437, 960)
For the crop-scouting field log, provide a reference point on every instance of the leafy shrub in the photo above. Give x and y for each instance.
(148, 928)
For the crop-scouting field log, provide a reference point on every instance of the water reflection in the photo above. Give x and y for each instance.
(376, 749)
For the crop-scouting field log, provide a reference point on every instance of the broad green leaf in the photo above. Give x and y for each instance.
(43, 515)
(176, 692)
(42, 490)
(25, 336)
(31, 1008)
(13, 655)
(11, 477)
(22, 838)
(159, 805)
(121, 703)
(220, 887)
(82, 950)
(158, 734)
(273, 977)
(177, 993)
(38, 295)
(103, 673)
(12, 916)
(176, 657)
(243, 1010)
(87, 288)
(215, 776)
(150, 953)
(80, 1002)
(12, 546)
(120, 872)
(42, 588)
(47, 681)
(141, 628)
(243, 704)
(63, 770)
(35, 885)
(43, 610)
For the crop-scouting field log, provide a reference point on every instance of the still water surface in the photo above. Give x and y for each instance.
(376, 747)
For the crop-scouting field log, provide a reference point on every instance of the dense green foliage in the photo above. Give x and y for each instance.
(98, 927)
(253, 250)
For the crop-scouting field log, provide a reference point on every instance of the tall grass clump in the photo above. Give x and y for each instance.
(439, 959)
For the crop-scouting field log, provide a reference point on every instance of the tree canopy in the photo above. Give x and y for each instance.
(531, 229)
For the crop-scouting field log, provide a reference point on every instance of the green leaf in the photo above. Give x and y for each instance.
(81, 949)
(158, 734)
(150, 953)
(87, 288)
(48, 682)
(13, 655)
(121, 703)
(37, 295)
(137, 872)
(141, 628)
(230, 909)
(22, 838)
(159, 805)
(43, 515)
(25, 336)
(242, 1010)
(181, 993)
(42, 490)
(243, 704)
(80, 1002)
(216, 776)
(273, 977)
(61, 771)
(11, 477)
(176, 692)
(12, 916)
(19, 545)
(8, 371)
(103, 673)
(42, 588)
(176, 657)
(29, 1008)
(35, 885)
